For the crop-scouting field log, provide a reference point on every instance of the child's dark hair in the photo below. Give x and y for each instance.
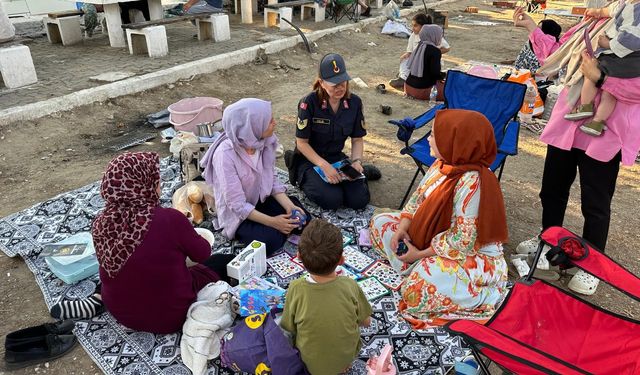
(320, 247)
(422, 19)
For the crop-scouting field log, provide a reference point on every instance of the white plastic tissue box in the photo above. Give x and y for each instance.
(252, 261)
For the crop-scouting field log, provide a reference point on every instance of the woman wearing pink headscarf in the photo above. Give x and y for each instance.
(251, 202)
(424, 63)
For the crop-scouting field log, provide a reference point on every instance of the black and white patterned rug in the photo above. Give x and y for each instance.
(118, 350)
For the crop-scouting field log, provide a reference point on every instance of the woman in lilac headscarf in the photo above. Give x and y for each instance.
(424, 63)
(251, 203)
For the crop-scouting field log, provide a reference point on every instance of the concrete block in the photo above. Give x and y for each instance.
(318, 11)
(114, 25)
(65, 30)
(151, 40)
(286, 13)
(16, 66)
(248, 8)
(215, 27)
(253, 4)
(271, 17)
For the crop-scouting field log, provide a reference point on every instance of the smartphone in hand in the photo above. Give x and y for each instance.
(350, 171)
(402, 248)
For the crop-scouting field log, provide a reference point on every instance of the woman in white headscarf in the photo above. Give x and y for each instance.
(424, 63)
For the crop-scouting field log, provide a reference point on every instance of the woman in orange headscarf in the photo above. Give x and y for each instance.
(453, 227)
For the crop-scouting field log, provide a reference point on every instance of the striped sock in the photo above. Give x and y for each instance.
(80, 309)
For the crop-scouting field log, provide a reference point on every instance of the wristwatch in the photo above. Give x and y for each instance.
(600, 80)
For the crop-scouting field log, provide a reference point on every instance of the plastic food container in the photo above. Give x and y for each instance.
(76, 271)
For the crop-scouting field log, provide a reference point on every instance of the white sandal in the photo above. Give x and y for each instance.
(584, 283)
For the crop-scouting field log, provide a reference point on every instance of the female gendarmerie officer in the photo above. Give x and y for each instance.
(326, 118)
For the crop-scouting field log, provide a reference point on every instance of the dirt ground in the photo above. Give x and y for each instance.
(54, 154)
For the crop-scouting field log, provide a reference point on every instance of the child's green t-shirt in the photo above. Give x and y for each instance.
(325, 321)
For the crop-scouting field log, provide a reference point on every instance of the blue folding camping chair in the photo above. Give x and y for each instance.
(498, 100)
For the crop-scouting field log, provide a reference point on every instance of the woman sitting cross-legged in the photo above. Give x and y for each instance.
(142, 250)
(424, 63)
(453, 228)
(251, 202)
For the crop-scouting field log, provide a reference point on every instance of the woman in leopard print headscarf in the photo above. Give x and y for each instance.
(142, 250)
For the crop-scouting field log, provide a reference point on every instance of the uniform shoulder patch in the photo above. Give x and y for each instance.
(303, 106)
(301, 124)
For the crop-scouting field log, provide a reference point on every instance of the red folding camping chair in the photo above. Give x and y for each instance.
(541, 329)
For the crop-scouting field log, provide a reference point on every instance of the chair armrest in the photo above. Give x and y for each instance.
(429, 115)
(509, 145)
(494, 343)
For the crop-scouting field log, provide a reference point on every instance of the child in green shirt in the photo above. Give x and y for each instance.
(324, 311)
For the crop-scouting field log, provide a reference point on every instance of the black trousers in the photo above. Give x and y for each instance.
(351, 194)
(273, 239)
(597, 185)
(218, 264)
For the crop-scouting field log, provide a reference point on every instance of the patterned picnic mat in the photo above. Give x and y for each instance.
(118, 350)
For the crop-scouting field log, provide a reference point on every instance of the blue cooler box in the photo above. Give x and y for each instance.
(81, 267)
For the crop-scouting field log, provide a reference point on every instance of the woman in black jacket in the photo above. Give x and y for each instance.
(424, 63)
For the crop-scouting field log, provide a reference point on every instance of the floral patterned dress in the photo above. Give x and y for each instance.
(460, 281)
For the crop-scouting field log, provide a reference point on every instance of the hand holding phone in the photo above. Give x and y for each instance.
(350, 171)
(402, 248)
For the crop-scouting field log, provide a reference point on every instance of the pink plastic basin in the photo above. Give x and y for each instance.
(188, 113)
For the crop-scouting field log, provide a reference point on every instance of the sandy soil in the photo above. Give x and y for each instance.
(42, 158)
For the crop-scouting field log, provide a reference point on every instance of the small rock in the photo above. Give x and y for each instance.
(372, 44)
(170, 86)
(46, 364)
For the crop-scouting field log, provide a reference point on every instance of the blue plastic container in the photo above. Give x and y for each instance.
(84, 265)
(76, 271)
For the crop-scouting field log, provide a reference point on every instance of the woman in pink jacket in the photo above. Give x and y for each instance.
(570, 150)
(251, 203)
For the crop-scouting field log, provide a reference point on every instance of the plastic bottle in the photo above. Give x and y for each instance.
(526, 112)
(434, 94)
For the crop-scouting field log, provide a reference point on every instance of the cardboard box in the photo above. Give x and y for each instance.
(504, 4)
(252, 261)
(578, 10)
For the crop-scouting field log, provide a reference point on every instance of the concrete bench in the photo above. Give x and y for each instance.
(150, 40)
(63, 27)
(306, 7)
(285, 10)
(16, 66)
(151, 36)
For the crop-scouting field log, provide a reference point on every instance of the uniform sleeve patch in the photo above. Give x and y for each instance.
(301, 124)
(303, 106)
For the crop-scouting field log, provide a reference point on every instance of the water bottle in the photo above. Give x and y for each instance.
(526, 112)
(434, 94)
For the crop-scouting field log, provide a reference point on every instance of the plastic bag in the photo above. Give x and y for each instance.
(391, 10)
(181, 139)
(193, 199)
(524, 76)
